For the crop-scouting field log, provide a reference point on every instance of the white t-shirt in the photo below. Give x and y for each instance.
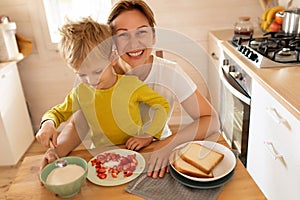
(169, 80)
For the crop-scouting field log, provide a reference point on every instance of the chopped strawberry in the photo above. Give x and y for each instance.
(127, 173)
(102, 176)
(94, 162)
(101, 170)
(114, 175)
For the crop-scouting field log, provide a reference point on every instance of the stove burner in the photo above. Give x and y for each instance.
(285, 52)
(255, 43)
(278, 47)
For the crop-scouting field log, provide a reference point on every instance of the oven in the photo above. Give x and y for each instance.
(265, 51)
(235, 101)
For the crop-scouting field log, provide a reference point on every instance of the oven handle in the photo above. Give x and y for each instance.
(233, 91)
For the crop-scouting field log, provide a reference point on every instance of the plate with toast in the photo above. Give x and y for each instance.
(202, 161)
(198, 184)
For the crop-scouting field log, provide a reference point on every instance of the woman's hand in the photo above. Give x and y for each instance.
(138, 142)
(47, 133)
(159, 159)
(158, 164)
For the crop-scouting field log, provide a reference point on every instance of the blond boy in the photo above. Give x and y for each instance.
(110, 102)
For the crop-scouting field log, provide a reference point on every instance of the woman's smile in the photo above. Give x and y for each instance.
(135, 53)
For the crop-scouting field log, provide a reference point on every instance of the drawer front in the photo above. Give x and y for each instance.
(273, 159)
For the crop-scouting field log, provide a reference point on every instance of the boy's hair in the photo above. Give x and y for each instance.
(79, 38)
(127, 5)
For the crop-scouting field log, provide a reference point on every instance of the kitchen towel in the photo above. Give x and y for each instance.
(168, 188)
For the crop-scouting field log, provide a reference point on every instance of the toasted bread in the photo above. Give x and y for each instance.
(201, 157)
(188, 169)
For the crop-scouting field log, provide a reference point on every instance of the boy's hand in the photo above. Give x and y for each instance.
(48, 157)
(47, 133)
(138, 142)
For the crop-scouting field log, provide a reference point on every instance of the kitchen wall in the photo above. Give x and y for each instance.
(46, 79)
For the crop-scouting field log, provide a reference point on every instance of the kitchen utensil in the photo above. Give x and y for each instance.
(59, 162)
(291, 19)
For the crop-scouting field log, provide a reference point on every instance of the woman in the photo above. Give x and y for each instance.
(130, 19)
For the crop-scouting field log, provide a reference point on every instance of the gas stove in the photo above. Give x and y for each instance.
(270, 50)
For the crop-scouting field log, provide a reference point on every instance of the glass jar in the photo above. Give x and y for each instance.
(243, 26)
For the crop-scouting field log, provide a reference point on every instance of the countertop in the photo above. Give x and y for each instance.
(27, 186)
(281, 82)
(4, 64)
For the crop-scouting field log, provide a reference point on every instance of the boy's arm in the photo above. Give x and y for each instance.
(160, 107)
(69, 138)
(54, 117)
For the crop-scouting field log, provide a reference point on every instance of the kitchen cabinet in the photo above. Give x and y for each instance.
(16, 131)
(215, 59)
(273, 151)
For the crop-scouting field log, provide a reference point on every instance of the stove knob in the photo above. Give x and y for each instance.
(238, 76)
(244, 50)
(248, 53)
(231, 68)
(241, 48)
(253, 56)
(225, 62)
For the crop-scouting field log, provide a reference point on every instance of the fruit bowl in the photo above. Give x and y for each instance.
(271, 19)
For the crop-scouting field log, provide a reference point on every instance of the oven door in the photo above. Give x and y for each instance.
(234, 113)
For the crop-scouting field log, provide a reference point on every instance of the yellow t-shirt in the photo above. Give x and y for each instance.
(113, 114)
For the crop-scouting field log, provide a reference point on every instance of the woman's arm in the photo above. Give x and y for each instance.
(198, 107)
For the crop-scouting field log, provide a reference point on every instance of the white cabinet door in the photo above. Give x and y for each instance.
(15, 127)
(274, 146)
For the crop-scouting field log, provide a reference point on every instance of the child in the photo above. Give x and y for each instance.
(109, 102)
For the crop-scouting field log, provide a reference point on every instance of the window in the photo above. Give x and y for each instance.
(58, 10)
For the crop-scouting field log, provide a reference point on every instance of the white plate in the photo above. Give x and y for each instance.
(109, 181)
(222, 169)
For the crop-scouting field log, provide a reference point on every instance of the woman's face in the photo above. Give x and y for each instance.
(133, 37)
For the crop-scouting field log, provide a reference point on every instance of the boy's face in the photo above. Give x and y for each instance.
(98, 73)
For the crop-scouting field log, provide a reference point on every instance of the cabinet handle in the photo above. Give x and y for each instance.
(269, 145)
(274, 114)
(214, 56)
(277, 118)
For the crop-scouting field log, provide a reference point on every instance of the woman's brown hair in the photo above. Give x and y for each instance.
(127, 5)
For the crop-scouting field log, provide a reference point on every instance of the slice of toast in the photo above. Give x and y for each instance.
(201, 157)
(188, 169)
